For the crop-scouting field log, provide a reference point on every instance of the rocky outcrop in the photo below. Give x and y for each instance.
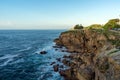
(93, 56)
(43, 52)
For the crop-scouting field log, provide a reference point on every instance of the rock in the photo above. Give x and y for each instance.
(118, 47)
(65, 56)
(56, 49)
(61, 66)
(65, 61)
(62, 73)
(58, 59)
(68, 74)
(52, 63)
(89, 59)
(57, 46)
(43, 52)
(63, 50)
(56, 67)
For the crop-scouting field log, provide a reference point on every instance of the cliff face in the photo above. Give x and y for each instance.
(93, 56)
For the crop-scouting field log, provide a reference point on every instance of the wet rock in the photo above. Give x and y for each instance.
(57, 46)
(43, 52)
(63, 50)
(65, 61)
(58, 59)
(56, 49)
(52, 63)
(61, 66)
(65, 56)
(62, 73)
(68, 74)
(56, 67)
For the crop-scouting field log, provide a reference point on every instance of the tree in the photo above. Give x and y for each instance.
(78, 26)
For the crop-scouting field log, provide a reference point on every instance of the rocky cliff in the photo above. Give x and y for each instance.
(95, 54)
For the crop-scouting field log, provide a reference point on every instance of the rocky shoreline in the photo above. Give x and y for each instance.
(92, 55)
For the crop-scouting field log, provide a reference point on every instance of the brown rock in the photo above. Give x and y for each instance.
(89, 45)
(65, 61)
(62, 73)
(56, 67)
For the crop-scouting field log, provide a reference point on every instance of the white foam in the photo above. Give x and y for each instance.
(17, 61)
(6, 62)
(48, 58)
(28, 48)
(46, 48)
(8, 56)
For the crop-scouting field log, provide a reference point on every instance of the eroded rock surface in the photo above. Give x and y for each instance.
(93, 56)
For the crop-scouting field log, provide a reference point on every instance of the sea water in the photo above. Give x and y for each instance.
(20, 57)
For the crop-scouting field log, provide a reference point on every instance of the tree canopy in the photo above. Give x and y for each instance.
(78, 26)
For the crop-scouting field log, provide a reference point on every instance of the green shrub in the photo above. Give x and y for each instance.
(95, 26)
(113, 23)
(78, 26)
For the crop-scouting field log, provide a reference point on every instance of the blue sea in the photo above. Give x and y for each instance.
(20, 57)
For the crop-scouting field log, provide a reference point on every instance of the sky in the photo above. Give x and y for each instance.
(56, 14)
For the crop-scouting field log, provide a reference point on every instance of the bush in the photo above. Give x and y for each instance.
(95, 26)
(113, 23)
(78, 26)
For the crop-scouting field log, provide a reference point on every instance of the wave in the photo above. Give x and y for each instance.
(45, 48)
(6, 62)
(7, 58)
(28, 48)
(47, 71)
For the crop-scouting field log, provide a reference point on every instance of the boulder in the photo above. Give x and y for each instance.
(56, 67)
(52, 63)
(43, 52)
(58, 59)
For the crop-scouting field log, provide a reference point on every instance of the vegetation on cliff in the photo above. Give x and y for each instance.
(78, 26)
(113, 23)
(95, 26)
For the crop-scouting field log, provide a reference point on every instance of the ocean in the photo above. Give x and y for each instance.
(20, 57)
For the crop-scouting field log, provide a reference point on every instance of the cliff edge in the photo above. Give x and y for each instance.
(95, 54)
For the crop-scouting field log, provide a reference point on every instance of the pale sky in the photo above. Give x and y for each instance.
(56, 14)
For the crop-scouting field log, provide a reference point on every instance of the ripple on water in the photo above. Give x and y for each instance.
(4, 60)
